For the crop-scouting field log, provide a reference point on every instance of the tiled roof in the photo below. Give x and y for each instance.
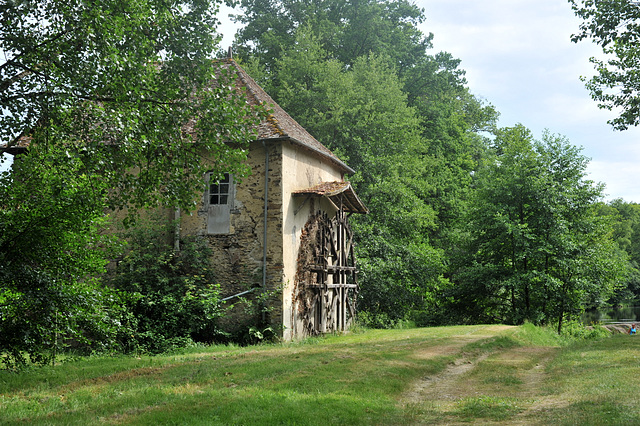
(279, 124)
(339, 193)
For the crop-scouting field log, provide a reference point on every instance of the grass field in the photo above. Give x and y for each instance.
(444, 375)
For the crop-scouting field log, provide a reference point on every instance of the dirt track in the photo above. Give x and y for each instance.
(440, 392)
(445, 386)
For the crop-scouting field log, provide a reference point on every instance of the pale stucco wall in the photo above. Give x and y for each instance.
(300, 169)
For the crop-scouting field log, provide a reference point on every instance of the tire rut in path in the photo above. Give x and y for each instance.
(448, 386)
(443, 385)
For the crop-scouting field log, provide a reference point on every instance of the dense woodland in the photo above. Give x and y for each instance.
(469, 222)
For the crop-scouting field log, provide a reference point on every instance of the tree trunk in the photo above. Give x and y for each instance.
(560, 317)
(561, 313)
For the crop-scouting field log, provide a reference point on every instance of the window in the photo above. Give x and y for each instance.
(220, 191)
(219, 200)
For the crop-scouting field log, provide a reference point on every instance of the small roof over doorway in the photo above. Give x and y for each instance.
(341, 194)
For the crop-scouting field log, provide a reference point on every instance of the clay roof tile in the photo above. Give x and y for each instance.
(279, 124)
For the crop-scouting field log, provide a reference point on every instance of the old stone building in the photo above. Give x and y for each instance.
(284, 228)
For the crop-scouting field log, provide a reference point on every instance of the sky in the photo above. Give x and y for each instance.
(518, 56)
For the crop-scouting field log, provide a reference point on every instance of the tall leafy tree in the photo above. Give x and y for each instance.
(539, 251)
(347, 29)
(51, 247)
(615, 26)
(133, 74)
(362, 112)
(358, 75)
(627, 227)
(118, 102)
(449, 115)
(626, 233)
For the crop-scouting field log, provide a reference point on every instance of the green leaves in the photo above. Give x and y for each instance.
(614, 25)
(50, 245)
(346, 29)
(122, 107)
(136, 75)
(534, 227)
(357, 75)
(173, 296)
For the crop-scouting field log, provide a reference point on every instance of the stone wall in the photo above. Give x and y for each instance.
(238, 256)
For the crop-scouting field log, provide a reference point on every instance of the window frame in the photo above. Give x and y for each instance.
(218, 215)
(227, 181)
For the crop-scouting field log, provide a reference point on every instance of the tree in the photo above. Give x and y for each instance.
(627, 227)
(400, 117)
(51, 248)
(615, 26)
(450, 116)
(539, 252)
(362, 113)
(626, 233)
(136, 75)
(119, 102)
(347, 30)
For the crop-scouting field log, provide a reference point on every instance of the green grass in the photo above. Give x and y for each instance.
(522, 373)
(600, 381)
(488, 407)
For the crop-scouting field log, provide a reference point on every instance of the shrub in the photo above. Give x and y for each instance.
(382, 320)
(46, 317)
(172, 296)
(576, 330)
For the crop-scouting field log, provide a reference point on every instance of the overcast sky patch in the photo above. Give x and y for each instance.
(519, 57)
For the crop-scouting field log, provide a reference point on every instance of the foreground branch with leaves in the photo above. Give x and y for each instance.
(614, 25)
(112, 105)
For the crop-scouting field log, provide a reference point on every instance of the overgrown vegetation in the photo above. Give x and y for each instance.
(77, 80)
(51, 254)
(172, 299)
